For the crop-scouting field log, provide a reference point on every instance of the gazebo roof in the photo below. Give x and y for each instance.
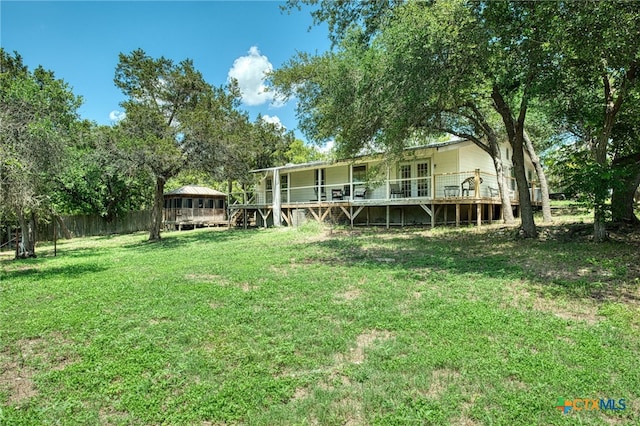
(195, 190)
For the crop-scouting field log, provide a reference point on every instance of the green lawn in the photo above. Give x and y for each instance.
(307, 326)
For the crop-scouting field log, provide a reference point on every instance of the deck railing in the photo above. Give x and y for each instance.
(460, 185)
(193, 214)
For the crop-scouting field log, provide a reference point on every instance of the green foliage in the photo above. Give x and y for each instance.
(298, 152)
(100, 177)
(37, 118)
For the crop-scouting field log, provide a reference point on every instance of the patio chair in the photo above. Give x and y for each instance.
(468, 185)
(395, 190)
(336, 194)
(360, 193)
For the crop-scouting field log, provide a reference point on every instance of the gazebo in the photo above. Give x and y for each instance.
(194, 206)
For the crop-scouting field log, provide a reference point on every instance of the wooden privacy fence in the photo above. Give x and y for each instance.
(93, 225)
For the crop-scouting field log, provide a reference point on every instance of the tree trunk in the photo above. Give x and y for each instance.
(622, 199)
(601, 147)
(515, 132)
(156, 210)
(63, 227)
(27, 244)
(526, 209)
(542, 179)
(493, 149)
(503, 187)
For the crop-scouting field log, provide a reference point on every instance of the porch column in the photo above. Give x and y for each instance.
(387, 187)
(476, 183)
(277, 213)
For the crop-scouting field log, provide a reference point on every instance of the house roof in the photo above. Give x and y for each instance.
(452, 141)
(195, 190)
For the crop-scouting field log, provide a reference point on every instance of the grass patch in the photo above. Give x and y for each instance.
(311, 326)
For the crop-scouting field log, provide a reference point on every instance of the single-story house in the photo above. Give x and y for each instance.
(438, 183)
(194, 206)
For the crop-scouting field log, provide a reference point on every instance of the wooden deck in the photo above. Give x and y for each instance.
(385, 212)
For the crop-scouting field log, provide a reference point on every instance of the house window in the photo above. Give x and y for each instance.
(200, 203)
(360, 173)
(269, 184)
(210, 203)
(189, 203)
(284, 182)
(220, 203)
(405, 176)
(423, 179)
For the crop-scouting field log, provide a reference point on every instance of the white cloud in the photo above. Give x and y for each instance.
(327, 147)
(273, 119)
(116, 115)
(250, 71)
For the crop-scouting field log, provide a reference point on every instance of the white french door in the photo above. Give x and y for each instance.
(415, 178)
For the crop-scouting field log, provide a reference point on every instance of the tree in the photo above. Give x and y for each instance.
(599, 60)
(100, 177)
(418, 66)
(162, 96)
(37, 117)
(626, 162)
(299, 152)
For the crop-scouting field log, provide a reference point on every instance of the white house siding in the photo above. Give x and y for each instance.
(472, 157)
(445, 161)
(336, 177)
(301, 184)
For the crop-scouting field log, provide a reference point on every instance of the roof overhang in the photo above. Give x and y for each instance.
(372, 156)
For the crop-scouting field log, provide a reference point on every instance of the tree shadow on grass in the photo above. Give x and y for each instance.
(412, 251)
(170, 240)
(71, 271)
(571, 269)
(177, 239)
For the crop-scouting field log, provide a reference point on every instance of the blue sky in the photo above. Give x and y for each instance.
(80, 42)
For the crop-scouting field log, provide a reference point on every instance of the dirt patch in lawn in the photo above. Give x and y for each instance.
(17, 364)
(206, 278)
(519, 294)
(356, 355)
(350, 294)
(17, 380)
(441, 379)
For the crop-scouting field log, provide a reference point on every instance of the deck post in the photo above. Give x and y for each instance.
(479, 214)
(351, 214)
(387, 216)
(433, 216)
(277, 212)
(532, 195)
(457, 214)
(388, 188)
